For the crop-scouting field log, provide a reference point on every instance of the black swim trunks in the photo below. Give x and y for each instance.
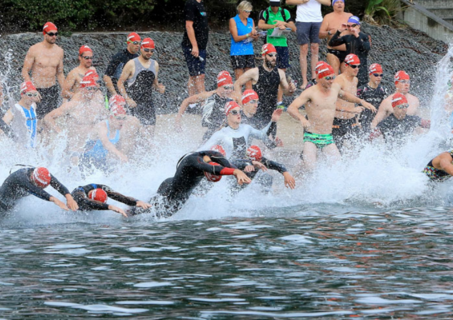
(341, 55)
(49, 101)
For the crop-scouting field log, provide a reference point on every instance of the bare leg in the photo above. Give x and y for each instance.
(280, 91)
(309, 156)
(248, 85)
(199, 83)
(303, 64)
(314, 58)
(334, 62)
(191, 86)
(332, 153)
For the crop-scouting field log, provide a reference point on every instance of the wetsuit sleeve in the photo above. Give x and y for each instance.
(337, 40)
(219, 158)
(86, 204)
(118, 196)
(58, 186)
(273, 165)
(365, 42)
(25, 182)
(113, 64)
(216, 170)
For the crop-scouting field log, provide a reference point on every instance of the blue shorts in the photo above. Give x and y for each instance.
(282, 57)
(308, 32)
(195, 65)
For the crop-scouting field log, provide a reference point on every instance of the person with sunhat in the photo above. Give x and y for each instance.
(45, 62)
(119, 60)
(72, 82)
(32, 181)
(141, 75)
(320, 105)
(357, 42)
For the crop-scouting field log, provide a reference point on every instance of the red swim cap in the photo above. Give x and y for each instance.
(91, 73)
(212, 177)
(27, 87)
(41, 177)
(352, 59)
(98, 195)
(323, 69)
(268, 48)
(230, 105)
(148, 43)
(375, 68)
(49, 26)
(401, 75)
(223, 79)
(254, 153)
(83, 49)
(117, 110)
(219, 148)
(398, 99)
(88, 81)
(131, 37)
(116, 100)
(249, 95)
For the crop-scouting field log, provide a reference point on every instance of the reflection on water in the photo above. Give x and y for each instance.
(375, 264)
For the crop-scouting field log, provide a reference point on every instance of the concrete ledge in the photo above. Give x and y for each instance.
(421, 19)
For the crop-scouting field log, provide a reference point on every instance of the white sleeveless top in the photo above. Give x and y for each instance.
(24, 125)
(309, 12)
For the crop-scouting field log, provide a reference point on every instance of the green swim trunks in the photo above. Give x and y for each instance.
(319, 140)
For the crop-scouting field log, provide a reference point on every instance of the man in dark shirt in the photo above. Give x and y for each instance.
(32, 181)
(194, 44)
(115, 67)
(94, 197)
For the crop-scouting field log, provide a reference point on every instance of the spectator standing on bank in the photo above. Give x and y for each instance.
(242, 29)
(116, 65)
(275, 17)
(308, 23)
(194, 44)
(357, 43)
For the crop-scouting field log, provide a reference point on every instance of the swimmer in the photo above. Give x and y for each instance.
(174, 192)
(95, 196)
(72, 82)
(32, 181)
(441, 167)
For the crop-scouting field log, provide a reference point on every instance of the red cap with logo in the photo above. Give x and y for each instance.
(401, 75)
(249, 95)
(323, 69)
(27, 86)
(352, 59)
(41, 177)
(219, 148)
(83, 49)
(224, 78)
(375, 68)
(98, 195)
(398, 99)
(88, 81)
(91, 73)
(116, 105)
(212, 177)
(49, 26)
(133, 36)
(268, 48)
(148, 43)
(254, 153)
(230, 105)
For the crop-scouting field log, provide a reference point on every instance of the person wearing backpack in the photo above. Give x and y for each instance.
(272, 18)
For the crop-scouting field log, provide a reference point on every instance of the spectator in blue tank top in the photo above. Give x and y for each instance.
(242, 29)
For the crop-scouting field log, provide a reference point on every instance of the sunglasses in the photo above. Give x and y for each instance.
(29, 94)
(354, 66)
(253, 101)
(378, 75)
(330, 78)
(228, 87)
(148, 50)
(92, 88)
(235, 113)
(272, 55)
(120, 118)
(51, 34)
(403, 106)
(247, 11)
(87, 58)
(405, 81)
(134, 42)
(352, 25)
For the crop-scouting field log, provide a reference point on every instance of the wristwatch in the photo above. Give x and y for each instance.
(329, 33)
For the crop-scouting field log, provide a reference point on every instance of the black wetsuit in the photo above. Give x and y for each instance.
(267, 90)
(174, 192)
(344, 130)
(359, 46)
(80, 195)
(19, 185)
(392, 128)
(116, 65)
(213, 114)
(373, 96)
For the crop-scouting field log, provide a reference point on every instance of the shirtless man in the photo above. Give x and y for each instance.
(84, 111)
(346, 125)
(320, 105)
(45, 61)
(72, 82)
(332, 22)
(403, 85)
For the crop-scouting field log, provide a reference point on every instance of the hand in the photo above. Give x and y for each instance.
(59, 203)
(358, 110)
(289, 180)
(368, 106)
(355, 32)
(306, 125)
(241, 177)
(374, 134)
(278, 142)
(259, 165)
(143, 205)
(280, 24)
(160, 88)
(291, 87)
(39, 98)
(249, 168)
(276, 115)
(131, 103)
(195, 52)
(72, 204)
(119, 210)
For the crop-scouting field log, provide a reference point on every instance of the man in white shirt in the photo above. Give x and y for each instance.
(308, 23)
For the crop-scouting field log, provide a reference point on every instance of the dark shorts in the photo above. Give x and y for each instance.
(145, 112)
(282, 57)
(243, 62)
(339, 54)
(195, 65)
(49, 101)
(308, 32)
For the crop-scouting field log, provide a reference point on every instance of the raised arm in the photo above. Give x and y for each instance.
(250, 75)
(352, 98)
(336, 40)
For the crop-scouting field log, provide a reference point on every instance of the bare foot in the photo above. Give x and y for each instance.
(304, 84)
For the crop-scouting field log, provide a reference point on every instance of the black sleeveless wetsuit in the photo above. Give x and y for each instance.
(80, 195)
(216, 117)
(373, 96)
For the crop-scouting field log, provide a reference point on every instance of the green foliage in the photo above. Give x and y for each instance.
(382, 11)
